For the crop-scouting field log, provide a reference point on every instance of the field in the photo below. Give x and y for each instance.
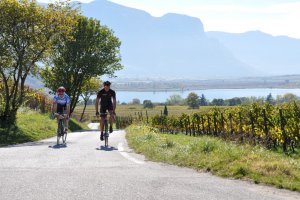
(134, 110)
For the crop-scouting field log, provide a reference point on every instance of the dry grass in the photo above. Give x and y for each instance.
(222, 158)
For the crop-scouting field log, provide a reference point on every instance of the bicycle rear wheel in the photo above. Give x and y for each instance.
(106, 141)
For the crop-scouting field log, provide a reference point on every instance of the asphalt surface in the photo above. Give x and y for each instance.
(85, 169)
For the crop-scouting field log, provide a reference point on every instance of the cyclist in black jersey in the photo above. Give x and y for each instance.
(107, 99)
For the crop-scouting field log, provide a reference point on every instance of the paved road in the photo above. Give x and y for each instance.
(84, 169)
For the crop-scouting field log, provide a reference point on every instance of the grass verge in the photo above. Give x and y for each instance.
(219, 157)
(33, 126)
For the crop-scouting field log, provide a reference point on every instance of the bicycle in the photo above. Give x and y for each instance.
(106, 133)
(61, 133)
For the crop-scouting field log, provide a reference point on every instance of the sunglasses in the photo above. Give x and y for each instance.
(60, 91)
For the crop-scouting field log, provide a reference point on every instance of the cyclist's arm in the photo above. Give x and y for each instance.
(114, 103)
(54, 106)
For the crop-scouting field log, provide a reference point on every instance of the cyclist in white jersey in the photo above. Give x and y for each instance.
(61, 104)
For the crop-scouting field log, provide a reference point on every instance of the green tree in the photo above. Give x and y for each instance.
(90, 87)
(217, 102)
(148, 104)
(193, 100)
(136, 101)
(92, 51)
(166, 111)
(286, 98)
(233, 101)
(1, 96)
(175, 100)
(27, 31)
(270, 99)
(203, 101)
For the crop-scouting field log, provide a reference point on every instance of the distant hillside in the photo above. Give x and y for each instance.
(176, 47)
(169, 46)
(268, 54)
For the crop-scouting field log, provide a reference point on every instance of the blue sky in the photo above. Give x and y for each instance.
(276, 17)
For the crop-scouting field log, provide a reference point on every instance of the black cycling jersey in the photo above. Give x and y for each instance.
(106, 97)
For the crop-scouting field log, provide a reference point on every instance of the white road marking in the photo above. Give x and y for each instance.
(128, 157)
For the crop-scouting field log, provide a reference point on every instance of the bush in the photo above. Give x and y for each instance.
(148, 104)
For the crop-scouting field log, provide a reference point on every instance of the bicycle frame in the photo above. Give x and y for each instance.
(61, 128)
(106, 133)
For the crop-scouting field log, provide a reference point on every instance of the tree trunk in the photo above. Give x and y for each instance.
(85, 103)
(8, 119)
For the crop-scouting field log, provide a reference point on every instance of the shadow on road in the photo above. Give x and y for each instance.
(103, 148)
(58, 146)
(86, 130)
(38, 143)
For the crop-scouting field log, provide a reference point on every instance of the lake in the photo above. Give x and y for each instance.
(127, 96)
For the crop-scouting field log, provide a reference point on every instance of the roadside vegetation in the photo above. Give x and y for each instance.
(51, 42)
(176, 105)
(222, 158)
(33, 126)
(30, 126)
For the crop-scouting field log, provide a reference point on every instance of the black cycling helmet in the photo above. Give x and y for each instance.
(106, 83)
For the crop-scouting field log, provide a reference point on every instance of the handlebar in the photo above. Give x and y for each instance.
(60, 116)
(103, 114)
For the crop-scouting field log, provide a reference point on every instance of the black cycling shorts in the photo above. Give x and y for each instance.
(103, 110)
(61, 109)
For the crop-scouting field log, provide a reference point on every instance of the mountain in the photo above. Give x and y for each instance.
(171, 46)
(268, 54)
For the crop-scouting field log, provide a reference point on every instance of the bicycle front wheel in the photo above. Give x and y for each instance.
(106, 141)
(106, 132)
(64, 137)
(60, 131)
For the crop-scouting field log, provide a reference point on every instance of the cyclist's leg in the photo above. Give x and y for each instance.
(102, 117)
(101, 124)
(111, 119)
(64, 112)
(66, 124)
(59, 110)
(66, 121)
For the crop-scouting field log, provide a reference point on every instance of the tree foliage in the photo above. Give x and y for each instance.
(270, 99)
(175, 100)
(166, 111)
(27, 32)
(136, 101)
(148, 104)
(193, 100)
(92, 51)
(91, 87)
(203, 101)
(217, 102)
(286, 98)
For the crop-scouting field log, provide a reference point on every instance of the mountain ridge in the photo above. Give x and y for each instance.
(176, 45)
(171, 45)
